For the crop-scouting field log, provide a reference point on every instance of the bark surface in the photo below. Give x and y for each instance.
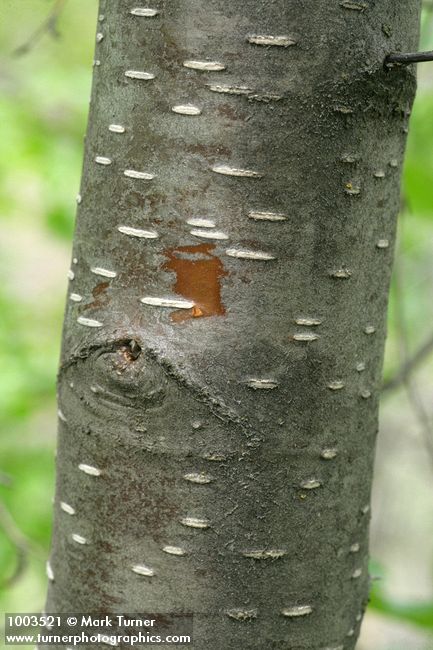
(226, 316)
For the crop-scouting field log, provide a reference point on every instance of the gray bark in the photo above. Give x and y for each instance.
(238, 426)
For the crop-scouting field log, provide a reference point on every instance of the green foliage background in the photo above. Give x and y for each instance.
(43, 111)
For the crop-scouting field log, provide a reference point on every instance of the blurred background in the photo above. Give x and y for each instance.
(45, 89)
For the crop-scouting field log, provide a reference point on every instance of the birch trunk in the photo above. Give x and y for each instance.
(223, 342)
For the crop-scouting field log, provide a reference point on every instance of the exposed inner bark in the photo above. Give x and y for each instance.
(226, 318)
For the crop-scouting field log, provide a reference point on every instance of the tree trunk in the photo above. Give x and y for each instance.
(224, 334)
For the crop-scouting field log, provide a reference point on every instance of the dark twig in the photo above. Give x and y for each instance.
(406, 58)
(49, 26)
(409, 366)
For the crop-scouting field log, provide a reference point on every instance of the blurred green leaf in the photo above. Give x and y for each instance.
(420, 614)
(60, 222)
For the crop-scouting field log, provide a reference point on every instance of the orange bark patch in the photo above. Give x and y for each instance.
(198, 278)
(100, 297)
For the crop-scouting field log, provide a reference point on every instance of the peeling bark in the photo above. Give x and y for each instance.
(226, 316)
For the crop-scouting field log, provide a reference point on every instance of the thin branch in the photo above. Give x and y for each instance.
(23, 546)
(409, 366)
(5, 479)
(20, 543)
(49, 26)
(406, 58)
(411, 389)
